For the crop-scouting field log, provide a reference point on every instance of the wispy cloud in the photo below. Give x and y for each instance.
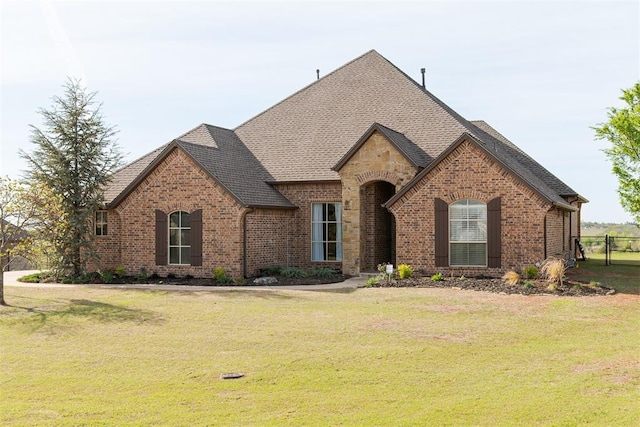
(75, 67)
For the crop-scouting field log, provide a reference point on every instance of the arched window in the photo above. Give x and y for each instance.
(179, 238)
(468, 233)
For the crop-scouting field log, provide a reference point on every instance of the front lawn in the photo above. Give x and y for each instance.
(621, 277)
(401, 356)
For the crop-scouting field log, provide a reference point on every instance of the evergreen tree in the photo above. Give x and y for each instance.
(74, 157)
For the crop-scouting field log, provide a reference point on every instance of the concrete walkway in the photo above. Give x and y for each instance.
(11, 280)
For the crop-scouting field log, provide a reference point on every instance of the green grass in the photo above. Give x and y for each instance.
(628, 258)
(89, 356)
(622, 277)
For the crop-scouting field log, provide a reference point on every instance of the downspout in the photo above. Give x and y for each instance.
(570, 229)
(545, 236)
(563, 235)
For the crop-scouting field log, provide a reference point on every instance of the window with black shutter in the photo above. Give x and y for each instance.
(442, 233)
(196, 237)
(161, 238)
(494, 232)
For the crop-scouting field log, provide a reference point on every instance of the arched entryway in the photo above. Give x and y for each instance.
(378, 227)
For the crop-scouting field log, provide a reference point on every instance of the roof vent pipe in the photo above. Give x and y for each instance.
(318, 74)
(422, 70)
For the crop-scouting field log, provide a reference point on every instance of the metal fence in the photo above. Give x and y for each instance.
(612, 249)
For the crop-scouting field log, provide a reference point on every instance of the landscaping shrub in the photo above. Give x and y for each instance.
(273, 270)
(321, 272)
(293, 272)
(372, 281)
(437, 277)
(142, 276)
(530, 272)
(40, 277)
(107, 276)
(220, 276)
(511, 278)
(405, 271)
(553, 269)
(94, 277)
(120, 271)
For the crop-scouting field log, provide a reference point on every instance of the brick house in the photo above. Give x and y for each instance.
(361, 167)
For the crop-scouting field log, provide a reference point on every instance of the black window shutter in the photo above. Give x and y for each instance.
(161, 238)
(442, 233)
(196, 237)
(494, 231)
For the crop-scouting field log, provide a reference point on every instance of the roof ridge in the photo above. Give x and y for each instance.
(543, 174)
(140, 158)
(306, 87)
(457, 116)
(190, 130)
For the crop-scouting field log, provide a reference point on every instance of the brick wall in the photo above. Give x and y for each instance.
(557, 222)
(469, 173)
(303, 195)
(284, 236)
(108, 247)
(176, 184)
(269, 239)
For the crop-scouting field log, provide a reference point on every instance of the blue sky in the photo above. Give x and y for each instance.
(540, 72)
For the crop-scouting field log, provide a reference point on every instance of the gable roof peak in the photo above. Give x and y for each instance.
(414, 155)
(199, 135)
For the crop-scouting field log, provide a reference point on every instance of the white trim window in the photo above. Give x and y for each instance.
(326, 232)
(468, 233)
(101, 223)
(180, 238)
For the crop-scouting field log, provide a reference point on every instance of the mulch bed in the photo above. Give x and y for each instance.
(569, 287)
(282, 281)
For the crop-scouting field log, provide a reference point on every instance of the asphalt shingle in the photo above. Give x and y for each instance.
(304, 136)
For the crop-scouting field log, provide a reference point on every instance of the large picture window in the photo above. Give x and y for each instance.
(101, 223)
(180, 238)
(468, 233)
(326, 232)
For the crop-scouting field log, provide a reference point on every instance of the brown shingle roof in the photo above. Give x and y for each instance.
(304, 136)
(219, 152)
(527, 162)
(233, 166)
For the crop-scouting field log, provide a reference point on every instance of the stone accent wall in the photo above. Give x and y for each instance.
(377, 243)
(303, 195)
(468, 172)
(376, 160)
(177, 183)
